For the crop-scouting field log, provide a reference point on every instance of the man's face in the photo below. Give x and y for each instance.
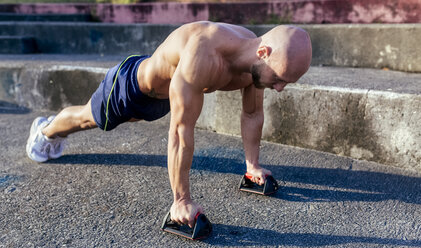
(256, 71)
(265, 77)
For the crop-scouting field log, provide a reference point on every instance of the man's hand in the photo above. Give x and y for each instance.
(185, 211)
(259, 174)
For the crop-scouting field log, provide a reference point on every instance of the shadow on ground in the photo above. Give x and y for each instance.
(226, 235)
(11, 108)
(338, 184)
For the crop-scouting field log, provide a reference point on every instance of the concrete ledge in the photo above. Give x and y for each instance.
(50, 85)
(91, 38)
(368, 46)
(364, 124)
(371, 46)
(17, 45)
(377, 121)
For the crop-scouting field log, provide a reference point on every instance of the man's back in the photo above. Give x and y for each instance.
(202, 50)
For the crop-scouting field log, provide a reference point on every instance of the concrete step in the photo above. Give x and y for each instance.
(17, 44)
(369, 46)
(45, 17)
(361, 113)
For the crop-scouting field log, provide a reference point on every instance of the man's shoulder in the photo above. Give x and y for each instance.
(218, 25)
(215, 32)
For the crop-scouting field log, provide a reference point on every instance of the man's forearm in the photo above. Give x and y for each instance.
(180, 156)
(251, 132)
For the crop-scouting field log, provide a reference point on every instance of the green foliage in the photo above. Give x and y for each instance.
(281, 19)
(252, 21)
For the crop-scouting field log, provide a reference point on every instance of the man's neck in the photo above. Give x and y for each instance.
(243, 57)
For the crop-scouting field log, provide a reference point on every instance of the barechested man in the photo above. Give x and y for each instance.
(195, 59)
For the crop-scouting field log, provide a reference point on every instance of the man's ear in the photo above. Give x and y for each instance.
(263, 52)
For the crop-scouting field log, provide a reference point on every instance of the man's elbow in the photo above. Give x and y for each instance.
(256, 117)
(182, 135)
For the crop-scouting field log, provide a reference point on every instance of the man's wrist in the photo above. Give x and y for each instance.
(252, 165)
(182, 198)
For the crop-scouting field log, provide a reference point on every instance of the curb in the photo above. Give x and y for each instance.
(371, 124)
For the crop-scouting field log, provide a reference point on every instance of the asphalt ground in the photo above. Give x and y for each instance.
(111, 189)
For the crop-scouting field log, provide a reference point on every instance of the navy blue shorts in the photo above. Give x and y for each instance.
(125, 101)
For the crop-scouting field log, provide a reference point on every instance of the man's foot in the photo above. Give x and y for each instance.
(41, 148)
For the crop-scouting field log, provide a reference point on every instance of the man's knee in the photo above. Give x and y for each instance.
(86, 118)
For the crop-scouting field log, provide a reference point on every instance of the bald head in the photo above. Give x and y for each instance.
(291, 50)
(286, 50)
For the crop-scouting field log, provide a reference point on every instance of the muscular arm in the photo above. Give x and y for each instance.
(251, 131)
(201, 67)
(186, 99)
(186, 105)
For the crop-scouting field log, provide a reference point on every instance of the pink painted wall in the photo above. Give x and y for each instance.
(153, 13)
(287, 11)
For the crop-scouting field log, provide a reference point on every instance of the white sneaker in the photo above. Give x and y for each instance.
(57, 143)
(36, 145)
(40, 148)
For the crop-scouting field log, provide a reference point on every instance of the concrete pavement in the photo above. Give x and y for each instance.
(112, 190)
